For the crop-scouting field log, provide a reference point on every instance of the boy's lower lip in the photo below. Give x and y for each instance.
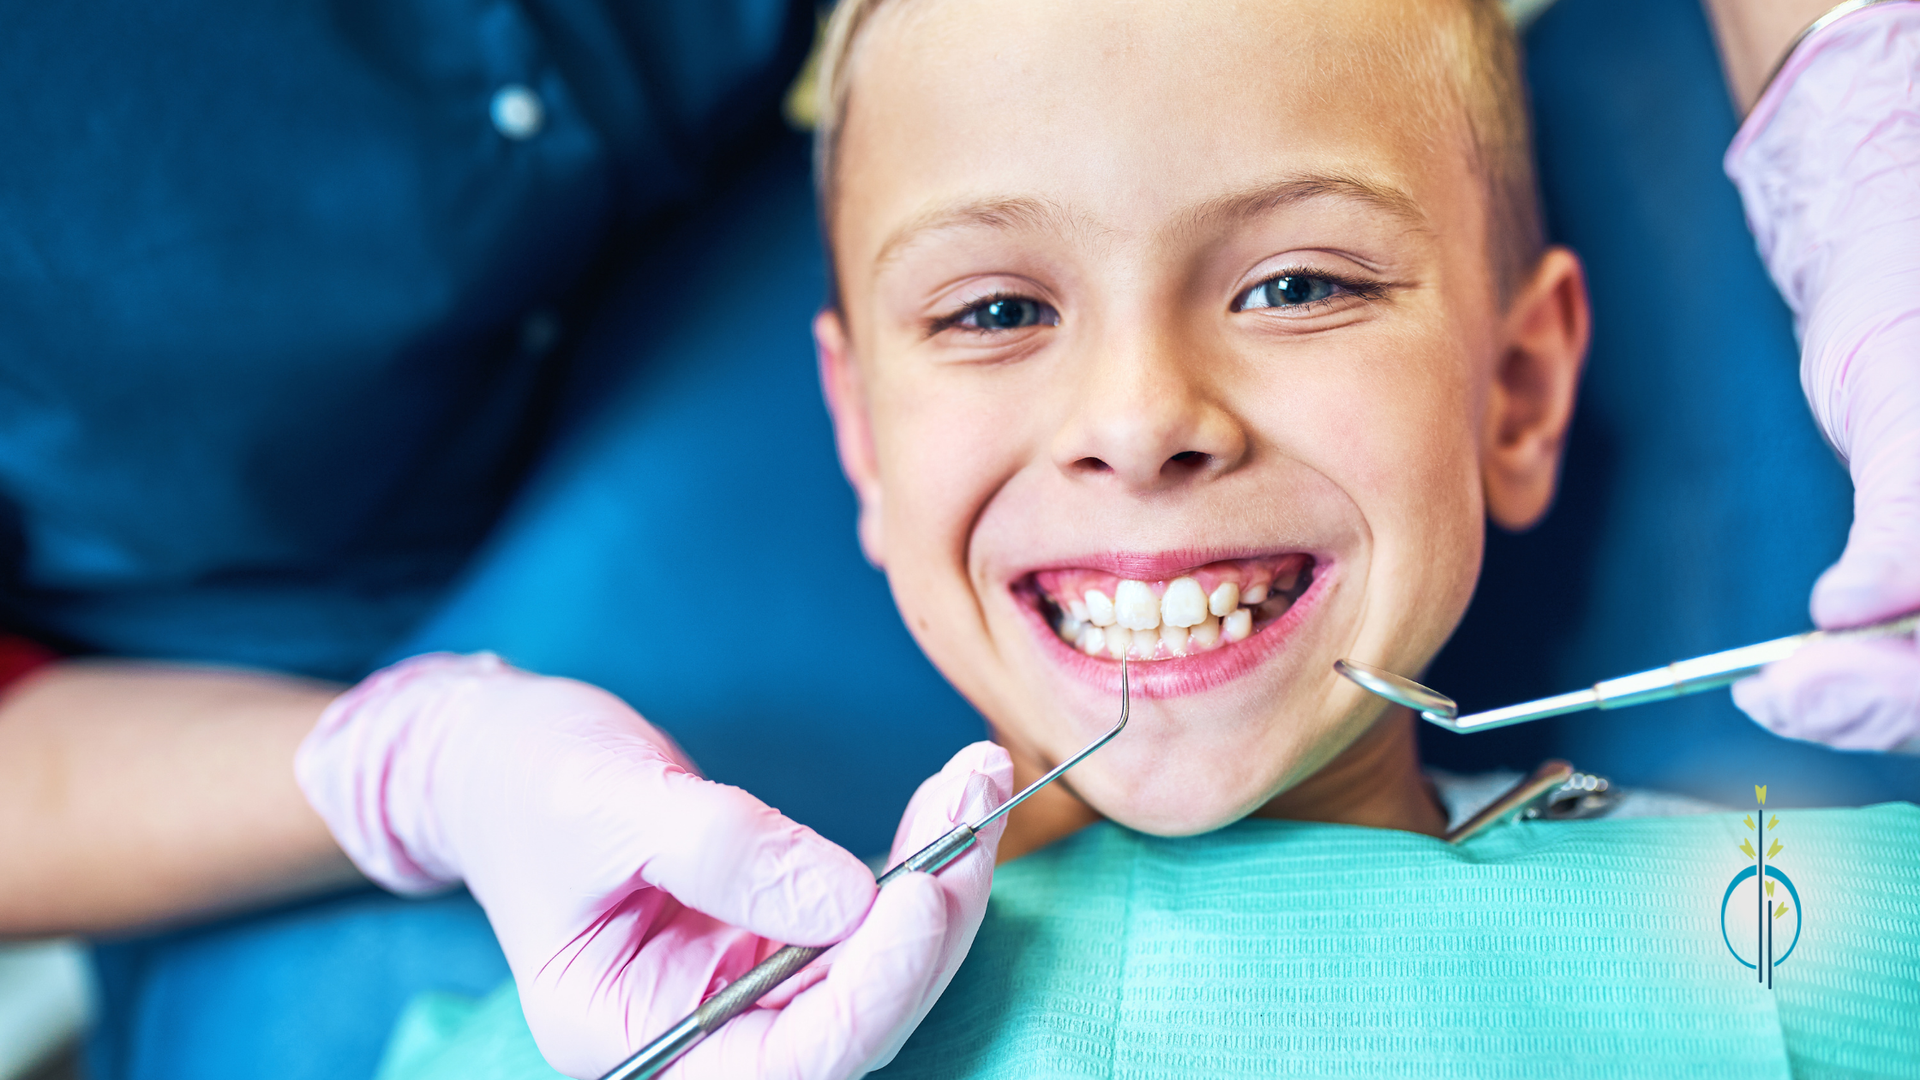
(1181, 676)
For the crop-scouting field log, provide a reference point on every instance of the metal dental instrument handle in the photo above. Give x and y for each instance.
(1677, 679)
(741, 994)
(1514, 801)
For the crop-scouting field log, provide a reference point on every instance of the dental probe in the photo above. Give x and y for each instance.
(739, 996)
(1677, 679)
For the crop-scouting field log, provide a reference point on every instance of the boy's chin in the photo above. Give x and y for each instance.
(1177, 807)
(1188, 819)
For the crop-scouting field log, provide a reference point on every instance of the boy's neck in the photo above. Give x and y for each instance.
(1376, 782)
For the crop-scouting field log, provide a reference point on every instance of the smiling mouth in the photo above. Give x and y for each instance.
(1195, 611)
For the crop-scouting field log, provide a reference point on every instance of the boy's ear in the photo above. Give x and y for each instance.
(852, 430)
(1534, 380)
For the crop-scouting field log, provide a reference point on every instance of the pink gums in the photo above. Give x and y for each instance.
(1277, 573)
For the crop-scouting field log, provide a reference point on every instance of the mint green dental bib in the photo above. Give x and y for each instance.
(1283, 949)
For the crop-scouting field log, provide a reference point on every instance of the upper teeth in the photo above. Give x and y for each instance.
(1224, 599)
(1183, 619)
(1185, 604)
(1134, 606)
(1099, 608)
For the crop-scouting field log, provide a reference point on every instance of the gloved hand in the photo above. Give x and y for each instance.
(623, 887)
(1828, 165)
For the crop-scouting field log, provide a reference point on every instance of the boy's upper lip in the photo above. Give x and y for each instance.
(1153, 565)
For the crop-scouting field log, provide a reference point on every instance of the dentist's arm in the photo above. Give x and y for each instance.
(1753, 36)
(133, 793)
(1828, 165)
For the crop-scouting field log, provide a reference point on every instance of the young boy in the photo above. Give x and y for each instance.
(1244, 296)
(1210, 334)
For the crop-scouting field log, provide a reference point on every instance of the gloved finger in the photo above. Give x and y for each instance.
(723, 852)
(945, 799)
(612, 812)
(972, 784)
(1852, 695)
(1878, 576)
(837, 1028)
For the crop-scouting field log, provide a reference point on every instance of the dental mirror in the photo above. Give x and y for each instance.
(1677, 679)
(1426, 701)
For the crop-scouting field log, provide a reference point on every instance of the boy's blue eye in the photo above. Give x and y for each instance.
(1005, 313)
(1289, 290)
(997, 315)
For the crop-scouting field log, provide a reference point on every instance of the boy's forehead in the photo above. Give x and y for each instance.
(1125, 114)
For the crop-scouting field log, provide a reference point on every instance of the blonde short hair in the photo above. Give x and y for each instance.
(1478, 58)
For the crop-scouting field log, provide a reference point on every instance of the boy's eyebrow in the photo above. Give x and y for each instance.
(1021, 212)
(1260, 199)
(1002, 213)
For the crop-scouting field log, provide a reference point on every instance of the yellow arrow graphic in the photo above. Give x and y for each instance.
(1760, 792)
(1746, 847)
(1773, 849)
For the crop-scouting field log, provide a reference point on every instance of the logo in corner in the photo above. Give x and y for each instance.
(1753, 892)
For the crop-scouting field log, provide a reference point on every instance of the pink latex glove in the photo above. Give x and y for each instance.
(1829, 167)
(623, 887)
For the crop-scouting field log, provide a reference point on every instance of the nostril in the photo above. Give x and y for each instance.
(1187, 461)
(1092, 464)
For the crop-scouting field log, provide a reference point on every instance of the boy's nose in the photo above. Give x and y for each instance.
(1147, 419)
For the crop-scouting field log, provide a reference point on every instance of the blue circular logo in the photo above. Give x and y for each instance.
(1783, 879)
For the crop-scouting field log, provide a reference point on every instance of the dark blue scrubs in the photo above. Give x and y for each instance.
(285, 289)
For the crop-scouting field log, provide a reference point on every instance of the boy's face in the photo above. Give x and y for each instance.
(1146, 291)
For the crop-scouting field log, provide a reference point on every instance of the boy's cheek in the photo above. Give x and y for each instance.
(1428, 530)
(937, 480)
(946, 448)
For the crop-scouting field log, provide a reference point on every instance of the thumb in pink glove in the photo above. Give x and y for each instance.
(1865, 693)
(1828, 165)
(623, 887)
